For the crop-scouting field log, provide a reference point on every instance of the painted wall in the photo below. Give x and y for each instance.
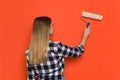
(101, 59)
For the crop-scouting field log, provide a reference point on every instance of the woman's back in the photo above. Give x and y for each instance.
(53, 68)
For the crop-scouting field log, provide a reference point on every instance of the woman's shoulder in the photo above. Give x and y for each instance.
(51, 41)
(54, 43)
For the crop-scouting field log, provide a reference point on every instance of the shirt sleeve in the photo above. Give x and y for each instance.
(30, 71)
(26, 55)
(70, 51)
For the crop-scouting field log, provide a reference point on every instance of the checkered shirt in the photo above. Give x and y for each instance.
(53, 68)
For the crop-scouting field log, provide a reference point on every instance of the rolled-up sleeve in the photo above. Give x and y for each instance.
(70, 51)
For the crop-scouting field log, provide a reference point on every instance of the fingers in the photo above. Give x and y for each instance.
(89, 26)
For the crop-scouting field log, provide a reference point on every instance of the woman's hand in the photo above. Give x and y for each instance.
(86, 32)
(85, 35)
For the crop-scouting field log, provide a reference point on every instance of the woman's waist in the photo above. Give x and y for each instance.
(51, 76)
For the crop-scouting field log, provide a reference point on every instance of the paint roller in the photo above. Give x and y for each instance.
(90, 15)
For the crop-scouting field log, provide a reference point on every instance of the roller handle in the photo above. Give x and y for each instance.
(88, 24)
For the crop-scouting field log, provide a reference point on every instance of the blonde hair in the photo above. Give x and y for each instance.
(38, 49)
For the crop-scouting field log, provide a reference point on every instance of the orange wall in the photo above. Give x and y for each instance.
(100, 60)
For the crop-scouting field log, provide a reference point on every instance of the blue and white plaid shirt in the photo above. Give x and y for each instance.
(53, 68)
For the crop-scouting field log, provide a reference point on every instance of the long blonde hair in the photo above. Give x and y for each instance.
(38, 49)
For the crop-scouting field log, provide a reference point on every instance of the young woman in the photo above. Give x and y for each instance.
(45, 58)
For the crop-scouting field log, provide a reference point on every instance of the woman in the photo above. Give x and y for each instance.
(45, 58)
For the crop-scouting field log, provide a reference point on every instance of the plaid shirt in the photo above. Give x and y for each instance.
(53, 68)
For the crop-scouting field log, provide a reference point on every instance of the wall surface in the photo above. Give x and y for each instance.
(101, 59)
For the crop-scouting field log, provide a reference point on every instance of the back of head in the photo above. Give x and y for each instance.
(38, 49)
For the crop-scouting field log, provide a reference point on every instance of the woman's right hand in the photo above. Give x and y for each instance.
(86, 32)
(85, 35)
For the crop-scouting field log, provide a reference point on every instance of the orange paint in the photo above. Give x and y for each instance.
(100, 60)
